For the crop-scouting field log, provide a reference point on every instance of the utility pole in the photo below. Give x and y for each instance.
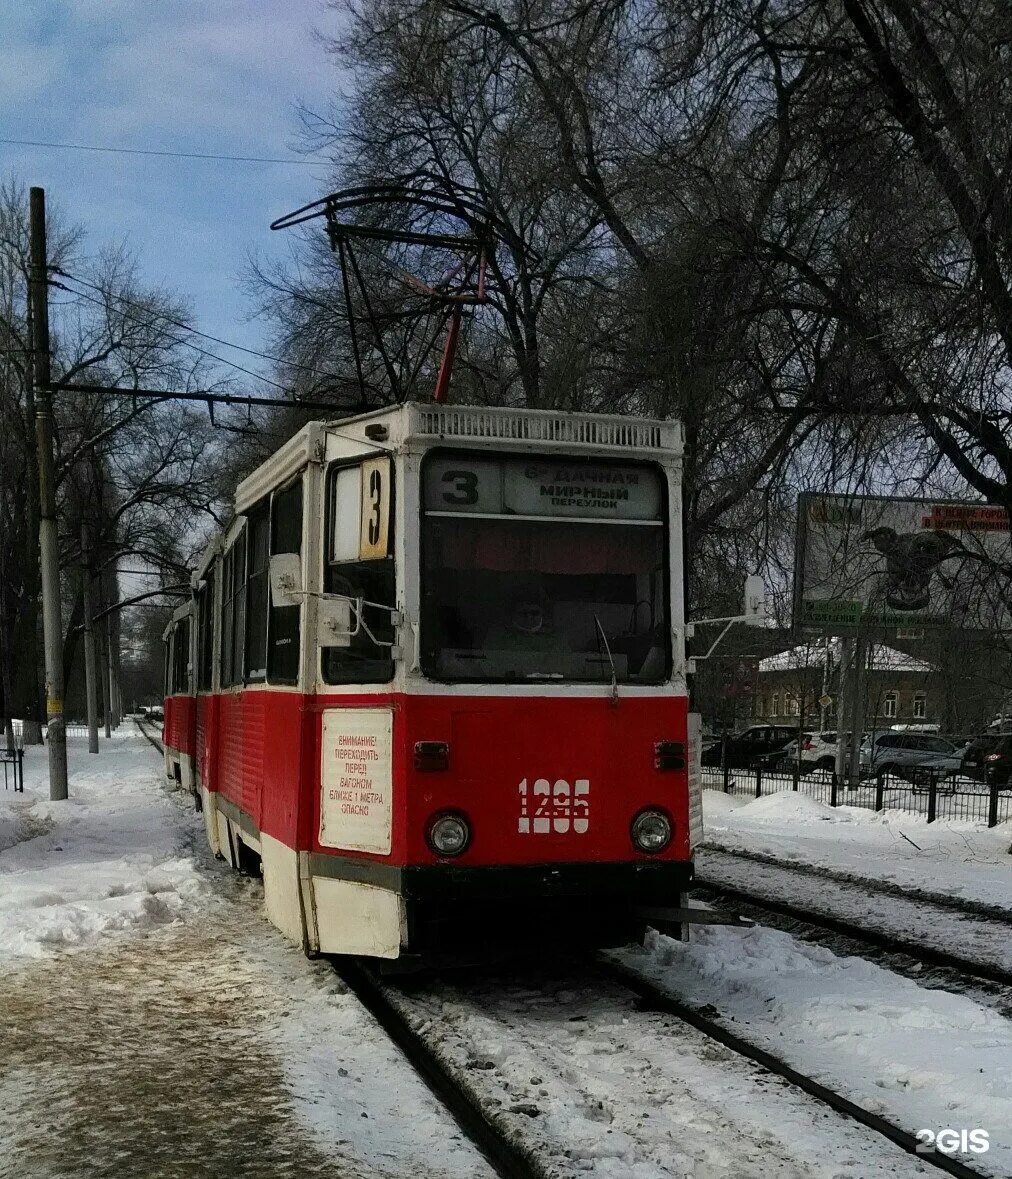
(857, 709)
(49, 553)
(90, 662)
(843, 706)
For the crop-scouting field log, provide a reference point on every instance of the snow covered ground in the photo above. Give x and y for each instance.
(951, 857)
(153, 1023)
(922, 1058)
(569, 1063)
(116, 856)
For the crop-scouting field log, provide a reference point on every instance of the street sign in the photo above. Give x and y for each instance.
(825, 701)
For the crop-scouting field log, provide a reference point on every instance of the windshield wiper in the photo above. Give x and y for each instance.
(614, 673)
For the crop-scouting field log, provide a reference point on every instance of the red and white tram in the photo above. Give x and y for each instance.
(440, 681)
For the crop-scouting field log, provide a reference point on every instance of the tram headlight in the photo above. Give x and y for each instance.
(651, 831)
(448, 834)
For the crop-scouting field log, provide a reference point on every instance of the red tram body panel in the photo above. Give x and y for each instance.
(439, 682)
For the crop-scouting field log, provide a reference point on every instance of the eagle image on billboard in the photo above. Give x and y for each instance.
(883, 561)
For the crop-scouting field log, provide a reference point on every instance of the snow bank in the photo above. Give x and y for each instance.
(113, 856)
(922, 1058)
(10, 824)
(791, 807)
(957, 857)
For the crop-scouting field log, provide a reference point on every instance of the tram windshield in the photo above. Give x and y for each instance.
(543, 569)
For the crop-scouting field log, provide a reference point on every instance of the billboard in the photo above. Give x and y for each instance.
(869, 561)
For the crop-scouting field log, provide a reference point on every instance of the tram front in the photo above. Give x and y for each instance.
(548, 799)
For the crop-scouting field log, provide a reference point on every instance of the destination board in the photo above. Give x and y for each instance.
(527, 487)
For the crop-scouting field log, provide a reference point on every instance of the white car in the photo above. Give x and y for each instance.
(818, 751)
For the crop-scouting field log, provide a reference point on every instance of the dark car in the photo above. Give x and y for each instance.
(998, 763)
(974, 763)
(756, 746)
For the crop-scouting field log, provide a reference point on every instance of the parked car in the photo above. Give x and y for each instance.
(998, 763)
(970, 761)
(975, 755)
(818, 751)
(896, 754)
(758, 745)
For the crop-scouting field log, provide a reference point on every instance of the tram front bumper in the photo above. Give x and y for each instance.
(481, 911)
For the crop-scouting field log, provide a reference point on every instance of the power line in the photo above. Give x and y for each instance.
(185, 343)
(150, 312)
(179, 155)
(211, 398)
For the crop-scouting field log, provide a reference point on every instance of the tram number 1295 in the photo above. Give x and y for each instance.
(557, 807)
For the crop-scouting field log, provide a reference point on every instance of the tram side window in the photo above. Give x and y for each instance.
(227, 611)
(283, 631)
(180, 658)
(258, 540)
(205, 632)
(360, 566)
(233, 611)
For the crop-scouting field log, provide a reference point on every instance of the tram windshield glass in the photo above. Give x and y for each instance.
(544, 569)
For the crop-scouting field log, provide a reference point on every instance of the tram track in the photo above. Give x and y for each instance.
(153, 740)
(657, 999)
(867, 942)
(504, 1147)
(507, 1156)
(888, 888)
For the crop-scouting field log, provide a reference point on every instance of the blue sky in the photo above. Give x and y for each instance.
(183, 75)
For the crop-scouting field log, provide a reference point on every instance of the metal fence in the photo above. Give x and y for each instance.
(73, 729)
(935, 798)
(13, 762)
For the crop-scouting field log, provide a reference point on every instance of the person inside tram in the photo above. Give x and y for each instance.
(526, 628)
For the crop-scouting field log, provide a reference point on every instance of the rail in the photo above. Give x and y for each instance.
(751, 905)
(506, 1157)
(660, 1000)
(941, 900)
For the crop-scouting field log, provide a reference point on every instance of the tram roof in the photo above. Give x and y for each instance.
(480, 426)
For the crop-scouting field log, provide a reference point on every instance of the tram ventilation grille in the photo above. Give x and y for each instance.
(523, 427)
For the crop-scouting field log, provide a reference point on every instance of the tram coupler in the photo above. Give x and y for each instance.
(673, 918)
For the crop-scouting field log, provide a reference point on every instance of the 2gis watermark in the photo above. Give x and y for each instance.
(952, 1141)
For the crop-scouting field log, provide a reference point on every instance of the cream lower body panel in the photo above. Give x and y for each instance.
(180, 770)
(353, 918)
(280, 865)
(187, 773)
(342, 916)
(215, 825)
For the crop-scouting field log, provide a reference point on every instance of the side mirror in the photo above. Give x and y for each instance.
(286, 579)
(755, 601)
(333, 622)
